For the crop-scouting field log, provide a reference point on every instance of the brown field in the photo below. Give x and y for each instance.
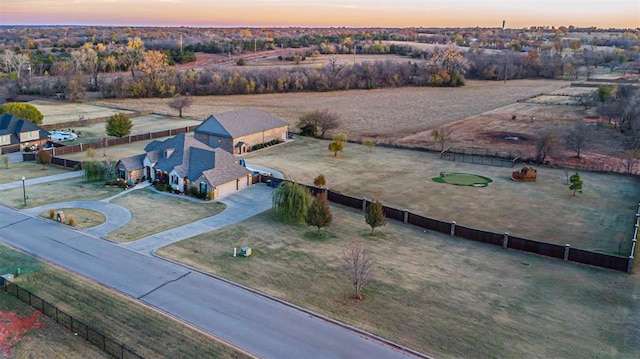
(384, 114)
(58, 112)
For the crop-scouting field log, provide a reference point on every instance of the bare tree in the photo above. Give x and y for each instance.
(358, 265)
(180, 103)
(578, 137)
(442, 136)
(544, 145)
(318, 121)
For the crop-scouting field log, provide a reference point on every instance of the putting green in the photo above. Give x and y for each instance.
(462, 179)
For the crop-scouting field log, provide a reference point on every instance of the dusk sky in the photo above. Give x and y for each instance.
(349, 13)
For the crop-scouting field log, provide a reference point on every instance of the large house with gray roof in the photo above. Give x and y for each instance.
(240, 131)
(184, 162)
(15, 134)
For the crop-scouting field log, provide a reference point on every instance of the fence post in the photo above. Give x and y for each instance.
(364, 204)
(566, 251)
(633, 249)
(406, 216)
(505, 240)
(80, 147)
(453, 228)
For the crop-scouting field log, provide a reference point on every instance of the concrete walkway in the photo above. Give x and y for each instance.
(39, 180)
(240, 206)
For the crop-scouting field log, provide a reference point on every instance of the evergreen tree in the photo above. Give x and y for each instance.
(119, 125)
(319, 214)
(374, 215)
(575, 183)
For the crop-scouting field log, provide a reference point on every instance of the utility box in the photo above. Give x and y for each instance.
(245, 251)
(4, 278)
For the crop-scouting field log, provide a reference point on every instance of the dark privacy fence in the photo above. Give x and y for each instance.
(95, 337)
(505, 240)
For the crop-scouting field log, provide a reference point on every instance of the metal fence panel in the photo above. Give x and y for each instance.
(429, 223)
(479, 235)
(344, 200)
(393, 213)
(542, 248)
(598, 259)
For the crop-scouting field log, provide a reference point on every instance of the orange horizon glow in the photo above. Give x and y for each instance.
(625, 14)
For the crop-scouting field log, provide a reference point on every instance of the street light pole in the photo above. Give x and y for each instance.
(24, 192)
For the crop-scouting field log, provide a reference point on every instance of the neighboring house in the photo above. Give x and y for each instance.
(184, 162)
(239, 131)
(16, 134)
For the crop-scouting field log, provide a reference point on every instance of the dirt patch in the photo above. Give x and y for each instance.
(13, 328)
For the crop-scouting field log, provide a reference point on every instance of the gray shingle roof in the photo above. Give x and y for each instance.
(13, 126)
(190, 158)
(239, 123)
(133, 162)
(226, 168)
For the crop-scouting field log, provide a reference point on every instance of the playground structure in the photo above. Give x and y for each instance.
(525, 174)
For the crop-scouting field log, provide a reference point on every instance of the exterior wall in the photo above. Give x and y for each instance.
(134, 176)
(5, 140)
(215, 141)
(279, 133)
(30, 136)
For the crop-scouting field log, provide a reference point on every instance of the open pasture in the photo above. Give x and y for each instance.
(59, 112)
(384, 114)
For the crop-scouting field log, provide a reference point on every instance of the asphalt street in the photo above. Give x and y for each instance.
(260, 325)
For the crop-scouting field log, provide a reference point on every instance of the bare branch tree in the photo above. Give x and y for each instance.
(442, 136)
(578, 137)
(544, 146)
(358, 265)
(180, 103)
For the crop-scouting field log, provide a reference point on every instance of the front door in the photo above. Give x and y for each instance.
(203, 188)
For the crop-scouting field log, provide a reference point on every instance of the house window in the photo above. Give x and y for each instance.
(174, 179)
(121, 174)
(4, 139)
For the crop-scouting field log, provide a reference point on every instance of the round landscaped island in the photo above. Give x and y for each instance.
(463, 179)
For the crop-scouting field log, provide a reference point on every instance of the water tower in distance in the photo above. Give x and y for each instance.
(503, 22)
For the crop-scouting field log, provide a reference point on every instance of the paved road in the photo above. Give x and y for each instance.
(262, 326)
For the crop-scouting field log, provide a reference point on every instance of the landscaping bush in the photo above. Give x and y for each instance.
(52, 213)
(71, 221)
(194, 192)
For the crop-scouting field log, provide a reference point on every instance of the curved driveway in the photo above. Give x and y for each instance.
(116, 216)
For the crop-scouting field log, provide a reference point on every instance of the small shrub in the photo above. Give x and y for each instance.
(210, 196)
(71, 221)
(52, 213)
(194, 192)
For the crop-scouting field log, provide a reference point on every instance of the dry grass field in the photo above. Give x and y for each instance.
(543, 210)
(58, 112)
(149, 216)
(443, 296)
(385, 114)
(17, 170)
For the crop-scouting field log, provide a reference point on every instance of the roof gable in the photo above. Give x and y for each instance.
(14, 126)
(239, 123)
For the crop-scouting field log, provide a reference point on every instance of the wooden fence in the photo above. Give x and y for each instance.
(90, 121)
(505, 240)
